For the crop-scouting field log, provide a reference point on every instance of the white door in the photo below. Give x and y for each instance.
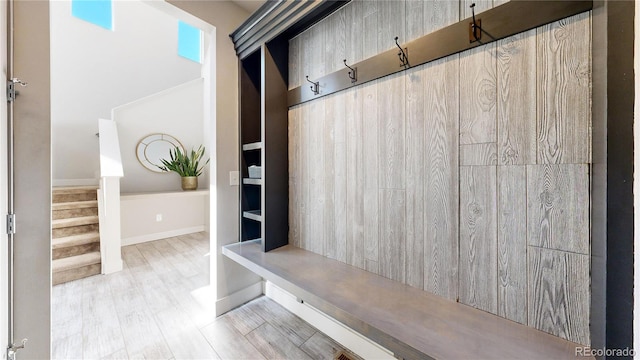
(31, 270)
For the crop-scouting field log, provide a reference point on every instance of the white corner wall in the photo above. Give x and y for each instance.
(153, 216)
(94, 70)
(179, 112)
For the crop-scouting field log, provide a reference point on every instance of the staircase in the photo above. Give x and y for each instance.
(76, 235)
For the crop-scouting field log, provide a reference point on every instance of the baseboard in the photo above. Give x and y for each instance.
(75, 182)
(339, 332)
(161, 235)
(238, 298)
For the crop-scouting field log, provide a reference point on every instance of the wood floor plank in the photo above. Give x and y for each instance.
(69, 347)
(142, 337)
(478, 95)
(414, 172)
(273, 345)
(558, 207)
(564, 90)
(559, 296)
(292, 327)
(516, 83)
(184, 266)
(478, 154)
(354, 246)
(132, 257)
(101, 333)
(478, 238)
(228, 342)
(441, 177)
(244, 319)
(392, 234)
(322, 347)
(512, 243)
(182, 336)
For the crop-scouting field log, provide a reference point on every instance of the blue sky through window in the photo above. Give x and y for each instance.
(94, 11)
(189, 42)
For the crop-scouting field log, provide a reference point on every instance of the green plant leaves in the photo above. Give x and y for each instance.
(185, 164)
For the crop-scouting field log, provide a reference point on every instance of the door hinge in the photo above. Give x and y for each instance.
(14, 348)
(11, 88)
(11, 223)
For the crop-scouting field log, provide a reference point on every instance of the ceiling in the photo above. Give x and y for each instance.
(250, 5)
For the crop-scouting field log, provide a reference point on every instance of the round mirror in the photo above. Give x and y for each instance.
(155, 147)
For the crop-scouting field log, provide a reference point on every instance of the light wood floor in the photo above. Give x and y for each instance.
(157, 308)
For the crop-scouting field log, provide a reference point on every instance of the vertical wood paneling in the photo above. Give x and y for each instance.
(481, 5)
(512, 243)
(414, 173)
(329, 241)
(558, 207)
(517, 99)
(369, 28)
(317, 194)
(369, 96)
(478, 154)
(415, 19)
(294, 176)
(354, 31)
(303, 198)
(340, 177)
(391, 137)
(478, 238)
(478, 95)
(391, 23)
(335, 41)
(306, 55)
(392, 234)
(355, 178)
(441, 177)
(559, 293)
(564, 95)
(294, 62)
(439, 13)
(317, 47)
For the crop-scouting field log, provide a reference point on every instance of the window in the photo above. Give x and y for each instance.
(94, 11)
(189, 42)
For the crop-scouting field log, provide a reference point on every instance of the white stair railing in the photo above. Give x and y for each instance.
(109, 196)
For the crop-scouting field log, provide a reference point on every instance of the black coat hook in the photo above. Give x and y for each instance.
(404, 59)
(475, 28)
(315, 87)
(353, 74)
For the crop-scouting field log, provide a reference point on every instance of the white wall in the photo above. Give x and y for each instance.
(226, 16)
(94, 70)
(178, 112)
(180, 213)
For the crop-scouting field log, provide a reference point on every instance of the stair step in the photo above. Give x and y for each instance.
(65, 223)
(75, 262)
(73, 189)
(74, 213)
(75, 205)
(73, 194)
(75, 240)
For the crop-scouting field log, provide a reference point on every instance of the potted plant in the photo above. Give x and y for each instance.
(186, 165)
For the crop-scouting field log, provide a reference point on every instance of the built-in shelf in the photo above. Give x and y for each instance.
(252, 146)
(250, 181)
(253, 215)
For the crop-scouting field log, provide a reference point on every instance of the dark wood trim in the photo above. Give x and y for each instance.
(275, 164)
(276, 17)
(502, 21)
(620, 158)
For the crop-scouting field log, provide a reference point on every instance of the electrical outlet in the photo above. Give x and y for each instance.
(234, 178)
(158, 217)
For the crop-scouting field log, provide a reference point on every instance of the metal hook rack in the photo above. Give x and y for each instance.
(315, 87)
(353, 74)
(404, 59)
(475, 27)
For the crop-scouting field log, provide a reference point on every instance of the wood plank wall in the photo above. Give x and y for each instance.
(467, 177)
